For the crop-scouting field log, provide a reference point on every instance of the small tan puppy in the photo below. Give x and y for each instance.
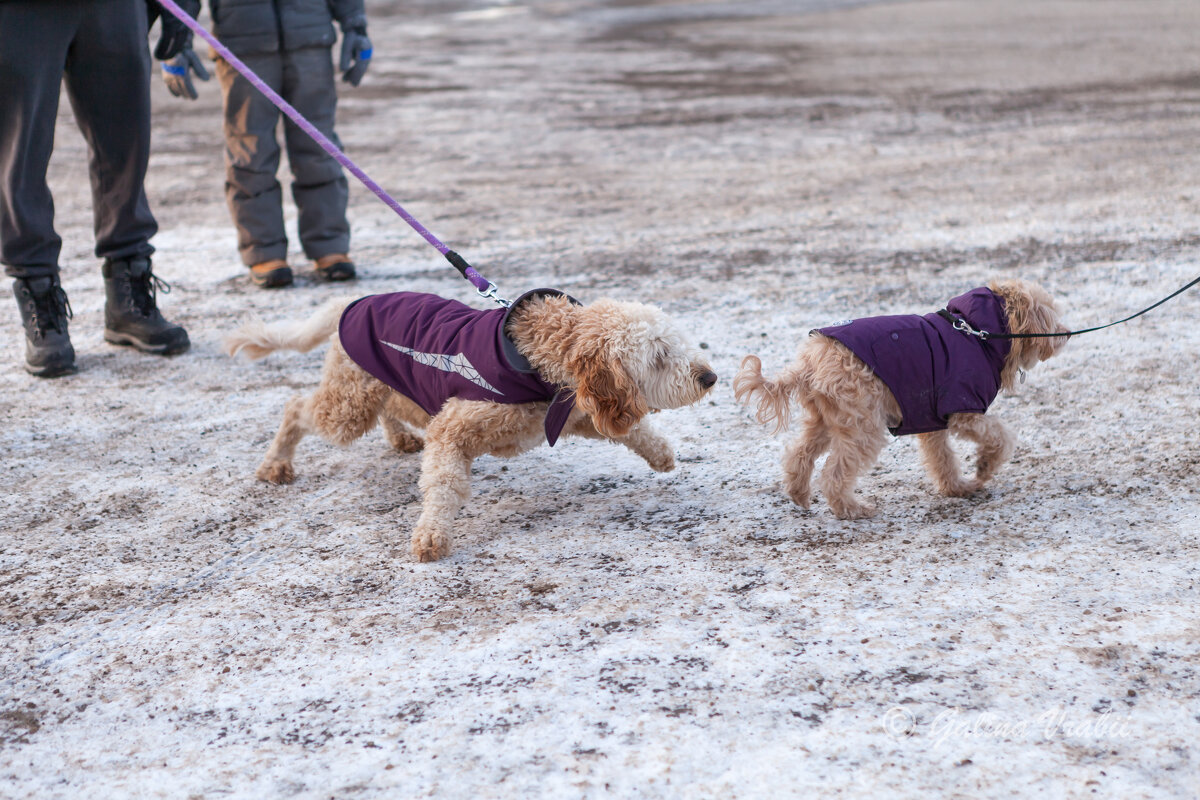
(907, 374)
(460, 383)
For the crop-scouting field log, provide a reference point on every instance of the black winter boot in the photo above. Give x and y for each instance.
(45, 311)
(131, 314)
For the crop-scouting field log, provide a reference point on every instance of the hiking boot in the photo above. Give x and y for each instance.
(131, 314)
(44, 312)
(271, 274)
(335, 267)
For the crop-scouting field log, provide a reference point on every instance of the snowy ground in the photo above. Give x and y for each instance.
(172, 628)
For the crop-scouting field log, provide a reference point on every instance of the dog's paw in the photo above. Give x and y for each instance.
(802, 498)
(276, 472)
(963, 488)
(657, 452)
(405, 442)
(800, 491)
(662, 462)
(429, 545)
(852, 510)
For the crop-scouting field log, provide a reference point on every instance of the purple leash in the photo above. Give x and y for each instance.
(485, 287)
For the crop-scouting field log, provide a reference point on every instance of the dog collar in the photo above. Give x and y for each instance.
(564, 398)
(515, 360)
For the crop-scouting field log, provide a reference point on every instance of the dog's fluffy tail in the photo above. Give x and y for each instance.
(773, 396)
(257, 339)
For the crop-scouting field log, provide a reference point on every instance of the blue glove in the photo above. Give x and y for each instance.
(177, 73)
(356, 54)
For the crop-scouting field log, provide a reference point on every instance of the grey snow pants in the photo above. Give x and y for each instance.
(305, 79)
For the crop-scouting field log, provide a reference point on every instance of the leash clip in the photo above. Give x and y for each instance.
(961, 325)
(490, 294)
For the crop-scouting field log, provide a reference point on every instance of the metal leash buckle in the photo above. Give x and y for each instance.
(490, 294)
(960, 324)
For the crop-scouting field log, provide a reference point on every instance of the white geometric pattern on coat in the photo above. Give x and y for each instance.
(457, 364)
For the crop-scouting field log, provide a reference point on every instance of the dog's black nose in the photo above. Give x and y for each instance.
(707, 379)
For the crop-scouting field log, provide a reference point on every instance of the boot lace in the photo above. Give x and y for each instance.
(50, 310)
(144, 292)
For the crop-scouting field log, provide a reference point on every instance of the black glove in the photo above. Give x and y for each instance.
(173, 35)
(356, 54)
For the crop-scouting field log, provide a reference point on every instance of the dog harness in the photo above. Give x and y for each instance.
(431, 349)
(932, 369)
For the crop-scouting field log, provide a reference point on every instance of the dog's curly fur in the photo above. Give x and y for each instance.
(622, 359)
(850, 409)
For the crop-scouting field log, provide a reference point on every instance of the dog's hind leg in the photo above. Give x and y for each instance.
(642, 439)
(852, 451)
(276, 466)
(344, 407)
(800, 457)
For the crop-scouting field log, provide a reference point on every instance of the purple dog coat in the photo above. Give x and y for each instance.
(932, 369)
(430, 349)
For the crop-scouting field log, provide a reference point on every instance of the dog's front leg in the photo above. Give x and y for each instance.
(943, 465)
(994, 443)
(993, 447)
(650, 445)
(445, 485)
(641, 439)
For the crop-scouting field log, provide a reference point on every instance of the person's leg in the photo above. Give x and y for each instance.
(33, 51)
(319, 185)
(252, 161)
(108, 81)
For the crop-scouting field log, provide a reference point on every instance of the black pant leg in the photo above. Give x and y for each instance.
(108, 82)
(35, 37)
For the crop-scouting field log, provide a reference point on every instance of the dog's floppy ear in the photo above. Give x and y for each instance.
(607, 394)
(1033, 311)
(1030, 309)
(1045, 318)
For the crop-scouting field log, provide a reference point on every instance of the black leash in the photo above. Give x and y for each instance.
(961, 324)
